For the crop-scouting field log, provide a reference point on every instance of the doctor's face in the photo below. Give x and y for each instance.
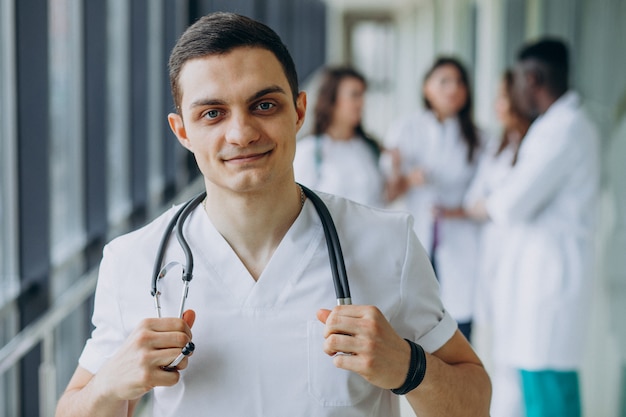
(445, 91)
(503, 107)
(523, 93)
(349, 103)
(238, 118)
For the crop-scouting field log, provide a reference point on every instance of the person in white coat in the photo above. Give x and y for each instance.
(270, 339)
(494, 167)
(439, 148)
(339, 157)
(548, 205)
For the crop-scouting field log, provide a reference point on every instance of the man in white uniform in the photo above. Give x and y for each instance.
(266, 332)
(547, 203)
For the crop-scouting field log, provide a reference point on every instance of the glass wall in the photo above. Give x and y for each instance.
(8, 212)
(66, 132)
(9, 281)
(118, 110)
(372, 51)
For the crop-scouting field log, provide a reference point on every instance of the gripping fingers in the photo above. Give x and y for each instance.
(339, 344)
(186, 351)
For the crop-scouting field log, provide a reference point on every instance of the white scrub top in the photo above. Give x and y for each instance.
(438, 148)
(347, 168)
(259, 343)
(548, 205)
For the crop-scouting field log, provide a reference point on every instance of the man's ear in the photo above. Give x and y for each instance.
(300, 109)
(178, 127)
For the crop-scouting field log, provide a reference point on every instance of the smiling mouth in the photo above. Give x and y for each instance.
(247, 158)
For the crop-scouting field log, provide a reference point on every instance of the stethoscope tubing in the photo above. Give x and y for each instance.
(173, 223)
(187, 209)
(335, 254)
(176, 223)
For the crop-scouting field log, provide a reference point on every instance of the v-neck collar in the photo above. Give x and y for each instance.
(215, 258)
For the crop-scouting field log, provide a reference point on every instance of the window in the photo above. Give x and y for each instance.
(372, 49)
(118, 64)
(8, 180)
(66, 164)
(9, 281)
(66, 146)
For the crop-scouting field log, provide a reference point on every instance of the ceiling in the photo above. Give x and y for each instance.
(372, 4)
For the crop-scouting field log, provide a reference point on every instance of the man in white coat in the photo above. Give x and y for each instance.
(548, 204)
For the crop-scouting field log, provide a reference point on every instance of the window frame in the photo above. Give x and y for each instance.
(9, 257)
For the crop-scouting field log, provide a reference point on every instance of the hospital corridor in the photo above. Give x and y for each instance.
(495, 129)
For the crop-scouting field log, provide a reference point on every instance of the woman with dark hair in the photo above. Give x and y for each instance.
(514, 123)
(495, 165)
(339, 157)
(439, 147)
(502, 155)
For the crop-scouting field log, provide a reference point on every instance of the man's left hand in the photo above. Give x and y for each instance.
(361, 340)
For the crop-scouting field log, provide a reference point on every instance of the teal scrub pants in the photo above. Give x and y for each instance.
(551, 393)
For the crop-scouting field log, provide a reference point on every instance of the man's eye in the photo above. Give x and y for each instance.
(211, 114)
(266, 106)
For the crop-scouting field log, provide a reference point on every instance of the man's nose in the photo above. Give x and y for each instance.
(242, 129)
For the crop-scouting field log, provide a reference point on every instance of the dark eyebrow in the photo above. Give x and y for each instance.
(266, 91)
(207, 102)
(216, 102)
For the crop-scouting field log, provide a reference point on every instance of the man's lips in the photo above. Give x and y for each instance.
(246, 158)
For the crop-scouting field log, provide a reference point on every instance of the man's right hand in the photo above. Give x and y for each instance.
(135, 369)
(138, 365)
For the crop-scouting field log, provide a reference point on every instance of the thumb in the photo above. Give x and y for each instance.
(322, 314)
(189, 316)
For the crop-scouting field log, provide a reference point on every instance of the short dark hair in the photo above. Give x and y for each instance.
(219, 33)
(552, 59)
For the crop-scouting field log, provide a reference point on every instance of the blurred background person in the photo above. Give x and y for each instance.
(339, 157)
(548, 206)
(439, 147)
(495, 165)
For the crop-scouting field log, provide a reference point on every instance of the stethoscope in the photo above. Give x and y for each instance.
(337, 265)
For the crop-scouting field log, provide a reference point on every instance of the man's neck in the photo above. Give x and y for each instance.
(254, 223)
(546, 100)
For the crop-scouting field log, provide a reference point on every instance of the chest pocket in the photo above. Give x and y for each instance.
(329, 385)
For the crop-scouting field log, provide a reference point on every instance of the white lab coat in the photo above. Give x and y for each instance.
(347, 168)
(492, 173)
(548, 204)
(258, 343)
(439, 149)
